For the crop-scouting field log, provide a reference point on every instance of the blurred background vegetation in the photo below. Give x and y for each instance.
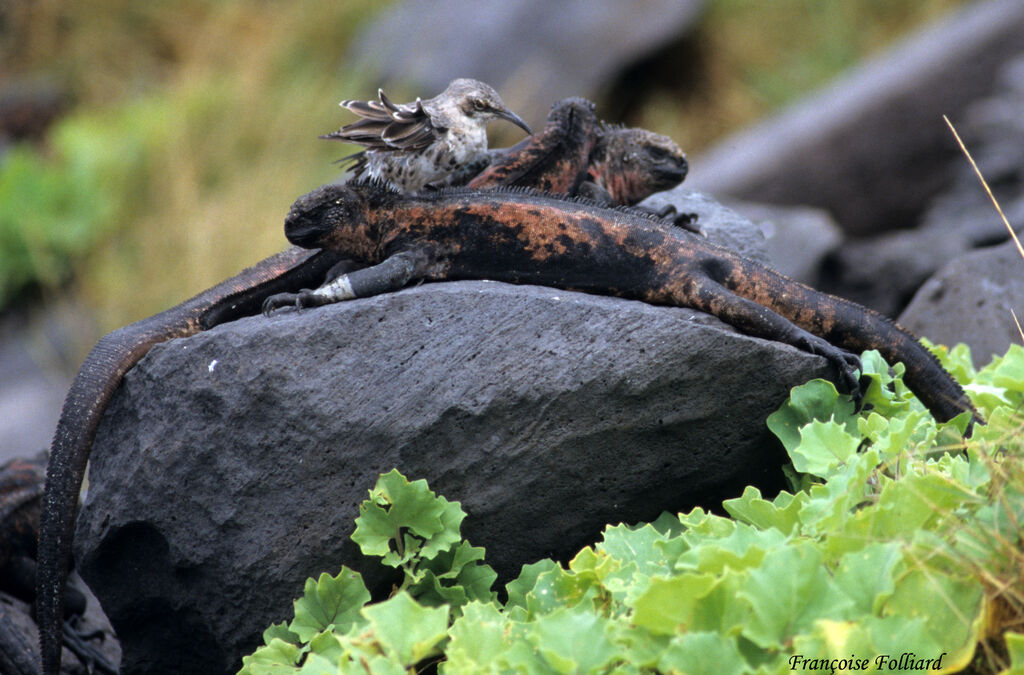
(192, 125)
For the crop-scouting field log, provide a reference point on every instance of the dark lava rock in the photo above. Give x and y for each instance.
(970, 301)
(722, 225)
(19, 636)
(534, 52)
(872, 148)
(798, 238)
(230, 465)
(885, 271)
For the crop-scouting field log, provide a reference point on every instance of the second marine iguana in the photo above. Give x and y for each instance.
(526, 237)
(559, 156)
(21, 496)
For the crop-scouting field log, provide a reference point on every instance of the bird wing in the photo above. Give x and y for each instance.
(384, 125)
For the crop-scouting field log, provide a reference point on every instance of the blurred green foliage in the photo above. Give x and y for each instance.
(55, 208)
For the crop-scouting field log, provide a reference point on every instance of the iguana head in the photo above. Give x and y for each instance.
(633, 164)
(336, 217)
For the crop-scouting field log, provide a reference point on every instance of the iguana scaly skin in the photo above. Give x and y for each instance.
(557, 159)
(524, 237)
(21, 496)
(577, 154)
(94, 386)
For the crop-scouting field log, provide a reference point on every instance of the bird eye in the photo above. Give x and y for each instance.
(479, 104)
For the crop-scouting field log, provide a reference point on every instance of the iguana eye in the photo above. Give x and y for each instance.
(657, 153)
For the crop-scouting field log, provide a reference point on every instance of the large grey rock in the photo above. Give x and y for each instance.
(534, 51)
(872, 147)
(230, 465)
(19, 635)
(798, 238)
(884, 272)
(721, 224)
(970, 300)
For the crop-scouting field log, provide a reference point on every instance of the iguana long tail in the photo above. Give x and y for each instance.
(95, 384)
(842, 323)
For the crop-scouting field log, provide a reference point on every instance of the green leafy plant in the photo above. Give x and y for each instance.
(898, 540)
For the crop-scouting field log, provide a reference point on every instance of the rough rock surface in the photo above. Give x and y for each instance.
(22, 635)
(871, 148)
(230, 465)
(798, 238)
(884, 272)
(722, 225)
(970, 301)
(534, 52)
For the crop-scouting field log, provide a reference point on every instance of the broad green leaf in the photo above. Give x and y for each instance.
(703, 654)
(478, 638)
(575, 640)
(823, 446)
(782, 513)
(956, 360)
(892, 437)
(276, 658)
(454, 577)
(884, 393)
(742, 548)
(527, 579)
(815, 400)
(637, 545)
(598, 568)
(951, 609)
(329, 601)
(1008, 371)
(280, 630)
(317, 664)
(914, 502)
(642, 648)
(668, 524)
(1015, 650)
(556, 588)
(788, 592)
(867, 576)
(410, 631)
(829, 506)
(667, 606)
(399, 508)
(326, 645)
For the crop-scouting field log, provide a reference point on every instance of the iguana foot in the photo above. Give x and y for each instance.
(304, 298)
(685, 221)
(90, 656)
(847, 364)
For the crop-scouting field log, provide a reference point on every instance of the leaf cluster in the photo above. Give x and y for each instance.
(897, 536)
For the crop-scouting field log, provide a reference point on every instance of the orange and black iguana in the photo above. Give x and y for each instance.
(525, 237)
(574, 149)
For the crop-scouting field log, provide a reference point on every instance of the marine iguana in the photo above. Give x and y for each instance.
(21, 493)
(412, 145)
(527, 237)
(560, 155)
(610, 164)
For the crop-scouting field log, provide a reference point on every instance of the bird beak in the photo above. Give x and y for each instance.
(515, 119)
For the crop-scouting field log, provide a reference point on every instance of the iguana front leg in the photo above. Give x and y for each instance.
(391, 275)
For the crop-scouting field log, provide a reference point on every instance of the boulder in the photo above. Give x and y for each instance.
(230, 465)
(871, 147)
(797, 238)
(970, 300)
(721, 224)
(884, 272)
